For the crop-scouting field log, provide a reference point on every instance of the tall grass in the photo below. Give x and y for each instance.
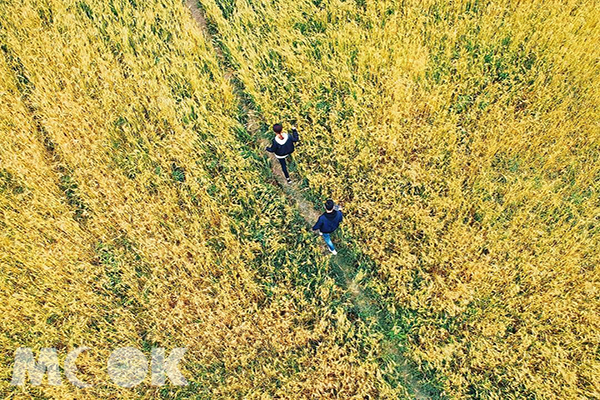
(133, 216)
(463, 139)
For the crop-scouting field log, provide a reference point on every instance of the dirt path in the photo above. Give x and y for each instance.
(347, 272)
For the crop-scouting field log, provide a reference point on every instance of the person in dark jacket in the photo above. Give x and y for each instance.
(282, 146)
(329, 222)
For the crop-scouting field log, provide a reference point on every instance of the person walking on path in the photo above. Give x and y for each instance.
(329, 222)
(282, 146)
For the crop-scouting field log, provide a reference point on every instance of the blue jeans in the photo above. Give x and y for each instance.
(327, 238)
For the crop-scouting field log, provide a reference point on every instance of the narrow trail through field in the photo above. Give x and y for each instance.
(346, 271)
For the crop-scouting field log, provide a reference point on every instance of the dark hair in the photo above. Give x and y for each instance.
(277, 128)
(329, 205)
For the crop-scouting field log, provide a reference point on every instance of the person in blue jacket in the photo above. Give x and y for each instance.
(282, 146)
(329, 222)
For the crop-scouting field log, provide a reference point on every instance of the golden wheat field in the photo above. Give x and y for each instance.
(139, 209)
